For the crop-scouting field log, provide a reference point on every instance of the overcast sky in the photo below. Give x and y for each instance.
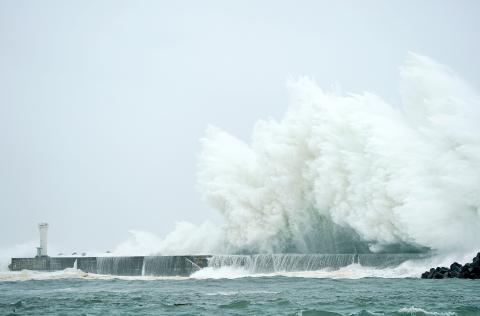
(102, 103)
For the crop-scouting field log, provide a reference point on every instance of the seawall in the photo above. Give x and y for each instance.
(126, 266)
(186, 265)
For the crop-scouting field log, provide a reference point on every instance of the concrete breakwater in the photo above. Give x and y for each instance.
(124, 266)
(186, 265)
(268, 263)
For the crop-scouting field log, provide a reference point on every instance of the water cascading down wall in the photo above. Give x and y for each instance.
(187, 265)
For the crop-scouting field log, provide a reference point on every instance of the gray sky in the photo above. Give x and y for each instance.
(102, 103)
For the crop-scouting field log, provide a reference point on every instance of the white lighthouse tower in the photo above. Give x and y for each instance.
(42, 250)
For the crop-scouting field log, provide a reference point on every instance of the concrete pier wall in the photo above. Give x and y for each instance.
(41, 264)
(119, 265)
(186, 265)
(125, 266)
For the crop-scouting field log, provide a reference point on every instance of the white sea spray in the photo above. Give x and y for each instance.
(344, 173)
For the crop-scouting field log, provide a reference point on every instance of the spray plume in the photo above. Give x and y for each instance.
(347, 173)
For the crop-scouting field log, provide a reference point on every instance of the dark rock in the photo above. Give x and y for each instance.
(455, 267)
(456, 270)
(476, 259)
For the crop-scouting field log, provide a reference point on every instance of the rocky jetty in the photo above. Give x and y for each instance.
(456, 270)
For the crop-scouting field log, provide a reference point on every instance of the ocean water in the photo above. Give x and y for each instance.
(72, 292)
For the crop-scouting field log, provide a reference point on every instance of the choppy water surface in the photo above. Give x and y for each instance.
(267, 295)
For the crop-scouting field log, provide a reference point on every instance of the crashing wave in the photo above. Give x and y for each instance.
(352, 173)
(346, 174)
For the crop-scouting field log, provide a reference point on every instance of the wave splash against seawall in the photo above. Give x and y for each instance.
(345, 173)
(219, 266)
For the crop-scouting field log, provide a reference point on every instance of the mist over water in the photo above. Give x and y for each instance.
(345, 173)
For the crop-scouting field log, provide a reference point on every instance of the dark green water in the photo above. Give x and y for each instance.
(243, 296)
